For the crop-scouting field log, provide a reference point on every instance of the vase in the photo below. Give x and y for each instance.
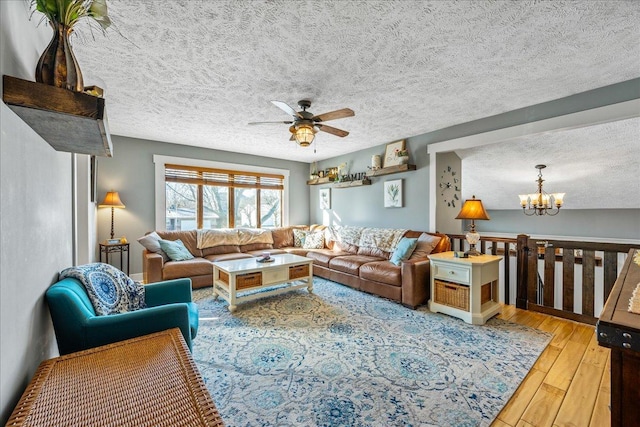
(57, 65)
(403, 160)
(376, 161)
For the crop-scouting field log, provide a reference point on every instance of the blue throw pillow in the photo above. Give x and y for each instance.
(404, 250)
(175, 249)
(109, 289)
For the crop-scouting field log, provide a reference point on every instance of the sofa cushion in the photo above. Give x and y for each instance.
(187, 268)
(378, 253)
(283, 236)
(298, 237)
(227, 257)
(187, 237)
(255, 247)
(151, 242)
(175, 249)
(323, 256)
(314, 240)
(223, 249)
(350, 263)
(382, 271)
(425, 245)
(403, 251)
(258, 253)
(296, 251)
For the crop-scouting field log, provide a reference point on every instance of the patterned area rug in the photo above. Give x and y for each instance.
(340, 357)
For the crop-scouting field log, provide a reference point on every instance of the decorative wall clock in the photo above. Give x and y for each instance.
(450, 187)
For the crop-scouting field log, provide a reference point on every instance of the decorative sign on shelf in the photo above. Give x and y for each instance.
(353, 177)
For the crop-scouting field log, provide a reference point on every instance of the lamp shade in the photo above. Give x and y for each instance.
(304, 134)
(111, 200)
(473, 209)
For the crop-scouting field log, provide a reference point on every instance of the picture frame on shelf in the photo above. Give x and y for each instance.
(390, 158)
(393, 193)
(325, 198)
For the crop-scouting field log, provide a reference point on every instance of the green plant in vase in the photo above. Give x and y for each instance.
(57, 65)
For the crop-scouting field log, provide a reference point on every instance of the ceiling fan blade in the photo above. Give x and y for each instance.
(262, 123)
(333, 115)
(335, 131)
(286, 108)
(293, 137)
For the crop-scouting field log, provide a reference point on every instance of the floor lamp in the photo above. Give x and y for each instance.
(472, 209)
(111, 200)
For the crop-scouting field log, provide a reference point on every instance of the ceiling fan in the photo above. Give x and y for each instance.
(305, 124)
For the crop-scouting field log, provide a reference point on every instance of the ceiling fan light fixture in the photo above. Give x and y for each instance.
(304, 134)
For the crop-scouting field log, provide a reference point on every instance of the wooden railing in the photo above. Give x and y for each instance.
(536, 290)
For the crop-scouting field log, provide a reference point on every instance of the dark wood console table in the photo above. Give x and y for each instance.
(619, 330)
(150, 380)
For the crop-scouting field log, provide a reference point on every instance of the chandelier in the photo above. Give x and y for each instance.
(541, 203)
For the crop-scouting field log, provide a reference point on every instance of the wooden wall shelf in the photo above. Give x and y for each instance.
(69, 121)
(319, 181)
(391, 169)
(348, 184)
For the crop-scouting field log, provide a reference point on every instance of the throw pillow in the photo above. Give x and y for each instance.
(109, 289)
(314, 240)
(299, 237)
(404, 250)
(151, 242)
(175, 249)
(426, 244)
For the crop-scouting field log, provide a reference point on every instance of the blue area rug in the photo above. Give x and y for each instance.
(341, 357)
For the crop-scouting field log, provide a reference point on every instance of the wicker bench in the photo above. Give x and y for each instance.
(150, 380)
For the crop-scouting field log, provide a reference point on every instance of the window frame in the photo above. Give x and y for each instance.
(161, 161)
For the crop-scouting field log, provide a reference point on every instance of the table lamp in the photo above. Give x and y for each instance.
(111, 200)
(472, 209)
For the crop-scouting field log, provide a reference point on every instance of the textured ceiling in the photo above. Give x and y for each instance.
(597, 167)
(196, 72)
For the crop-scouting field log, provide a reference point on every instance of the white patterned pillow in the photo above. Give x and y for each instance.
(314, 240)
(109, 289)
(299, 237)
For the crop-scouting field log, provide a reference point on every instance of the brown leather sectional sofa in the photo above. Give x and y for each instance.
(363, 268)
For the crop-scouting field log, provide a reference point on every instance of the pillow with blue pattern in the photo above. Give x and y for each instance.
(109, 289)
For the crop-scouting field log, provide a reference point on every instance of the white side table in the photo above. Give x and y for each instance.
(466, 288)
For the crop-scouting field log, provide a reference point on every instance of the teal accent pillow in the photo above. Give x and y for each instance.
(404, 250)
(175, 249)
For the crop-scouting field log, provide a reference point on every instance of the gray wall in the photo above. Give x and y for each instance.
(599, 223)
(364, 206)
(131, 172)
(446, 221)
(35, 217)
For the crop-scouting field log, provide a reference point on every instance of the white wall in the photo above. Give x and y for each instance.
(35, 217)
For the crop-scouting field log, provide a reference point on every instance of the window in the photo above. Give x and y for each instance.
(200, 197)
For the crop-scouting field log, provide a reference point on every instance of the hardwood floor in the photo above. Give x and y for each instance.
(568, 385)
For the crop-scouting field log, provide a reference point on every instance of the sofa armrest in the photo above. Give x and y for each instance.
(152, 265)
(415, 282)
(101, 330)
(168, 292)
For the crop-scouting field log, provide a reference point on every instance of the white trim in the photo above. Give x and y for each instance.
(160, 161)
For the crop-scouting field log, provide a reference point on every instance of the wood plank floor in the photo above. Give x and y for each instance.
(568, 385)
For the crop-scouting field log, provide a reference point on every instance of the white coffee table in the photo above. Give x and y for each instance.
(247, 274)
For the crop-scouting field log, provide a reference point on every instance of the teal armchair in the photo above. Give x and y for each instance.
(77, 326)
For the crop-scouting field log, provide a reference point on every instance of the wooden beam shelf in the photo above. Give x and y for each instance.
(356, 183)
(69, 121)
(392, 169)
(318, 181)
